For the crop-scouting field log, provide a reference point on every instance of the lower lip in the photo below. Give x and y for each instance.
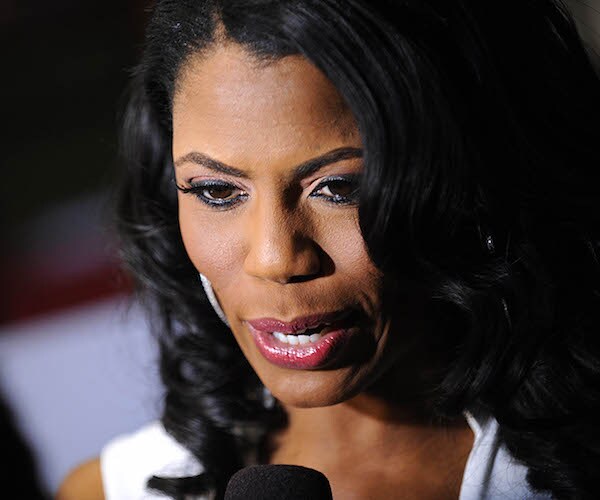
(305, 356)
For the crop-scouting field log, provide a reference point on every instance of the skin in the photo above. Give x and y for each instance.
(282, 252)
(84, 482)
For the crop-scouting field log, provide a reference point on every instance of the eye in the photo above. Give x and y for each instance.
(338, 190)
(215, 194)
(220, 193)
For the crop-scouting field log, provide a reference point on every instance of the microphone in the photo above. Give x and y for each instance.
(278, 482)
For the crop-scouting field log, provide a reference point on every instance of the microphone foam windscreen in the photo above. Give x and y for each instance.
(281, 482)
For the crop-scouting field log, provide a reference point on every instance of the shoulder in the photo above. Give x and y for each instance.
(84, 482)
(129, 460)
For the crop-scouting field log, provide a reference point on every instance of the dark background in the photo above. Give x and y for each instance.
(65, 66)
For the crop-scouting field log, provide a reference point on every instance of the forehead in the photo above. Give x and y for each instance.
(228, 103)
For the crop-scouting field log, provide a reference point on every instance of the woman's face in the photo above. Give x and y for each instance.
(268, 156)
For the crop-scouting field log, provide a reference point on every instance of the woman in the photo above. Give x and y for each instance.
(390, 208)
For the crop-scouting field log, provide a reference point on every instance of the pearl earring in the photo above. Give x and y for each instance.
(208, 289)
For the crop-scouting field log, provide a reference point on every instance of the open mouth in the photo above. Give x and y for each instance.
(314, 334)
(315, 347)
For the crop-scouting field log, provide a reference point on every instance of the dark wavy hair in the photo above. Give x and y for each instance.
(480, 133)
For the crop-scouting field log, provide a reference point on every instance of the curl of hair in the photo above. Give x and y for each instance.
(479, 128)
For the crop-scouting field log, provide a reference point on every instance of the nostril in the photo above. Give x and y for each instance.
(301, 279)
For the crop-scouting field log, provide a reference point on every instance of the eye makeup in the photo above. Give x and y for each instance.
(336, 190)
(215, 194)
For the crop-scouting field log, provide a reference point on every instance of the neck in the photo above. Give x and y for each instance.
(367, 422)
(366, 447)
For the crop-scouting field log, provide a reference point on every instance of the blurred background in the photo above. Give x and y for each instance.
(77, 364)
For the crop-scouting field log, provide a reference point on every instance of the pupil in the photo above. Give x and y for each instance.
(219, 192)
(341, 188)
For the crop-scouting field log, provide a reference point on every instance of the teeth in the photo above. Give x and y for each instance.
(280, 336)
(297, 339)
(324, 324)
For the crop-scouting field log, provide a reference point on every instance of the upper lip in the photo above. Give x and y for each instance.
(298, 324)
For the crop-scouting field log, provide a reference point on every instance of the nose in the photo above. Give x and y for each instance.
(279, 246)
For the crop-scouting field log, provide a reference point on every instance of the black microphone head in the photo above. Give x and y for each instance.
(280, 482)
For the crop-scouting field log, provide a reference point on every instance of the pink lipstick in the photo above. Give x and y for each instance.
(306, 342)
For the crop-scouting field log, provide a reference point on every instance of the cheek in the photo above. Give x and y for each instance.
(343, 242)
(210, 243)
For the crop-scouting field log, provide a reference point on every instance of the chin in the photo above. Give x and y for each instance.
(309, 400)
(311, 388)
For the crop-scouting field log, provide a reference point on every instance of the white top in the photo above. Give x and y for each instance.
(129, 460)
(492, 472)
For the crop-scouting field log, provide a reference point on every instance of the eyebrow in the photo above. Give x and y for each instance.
(300, 171)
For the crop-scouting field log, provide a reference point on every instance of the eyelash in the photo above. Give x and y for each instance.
(197, 189)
